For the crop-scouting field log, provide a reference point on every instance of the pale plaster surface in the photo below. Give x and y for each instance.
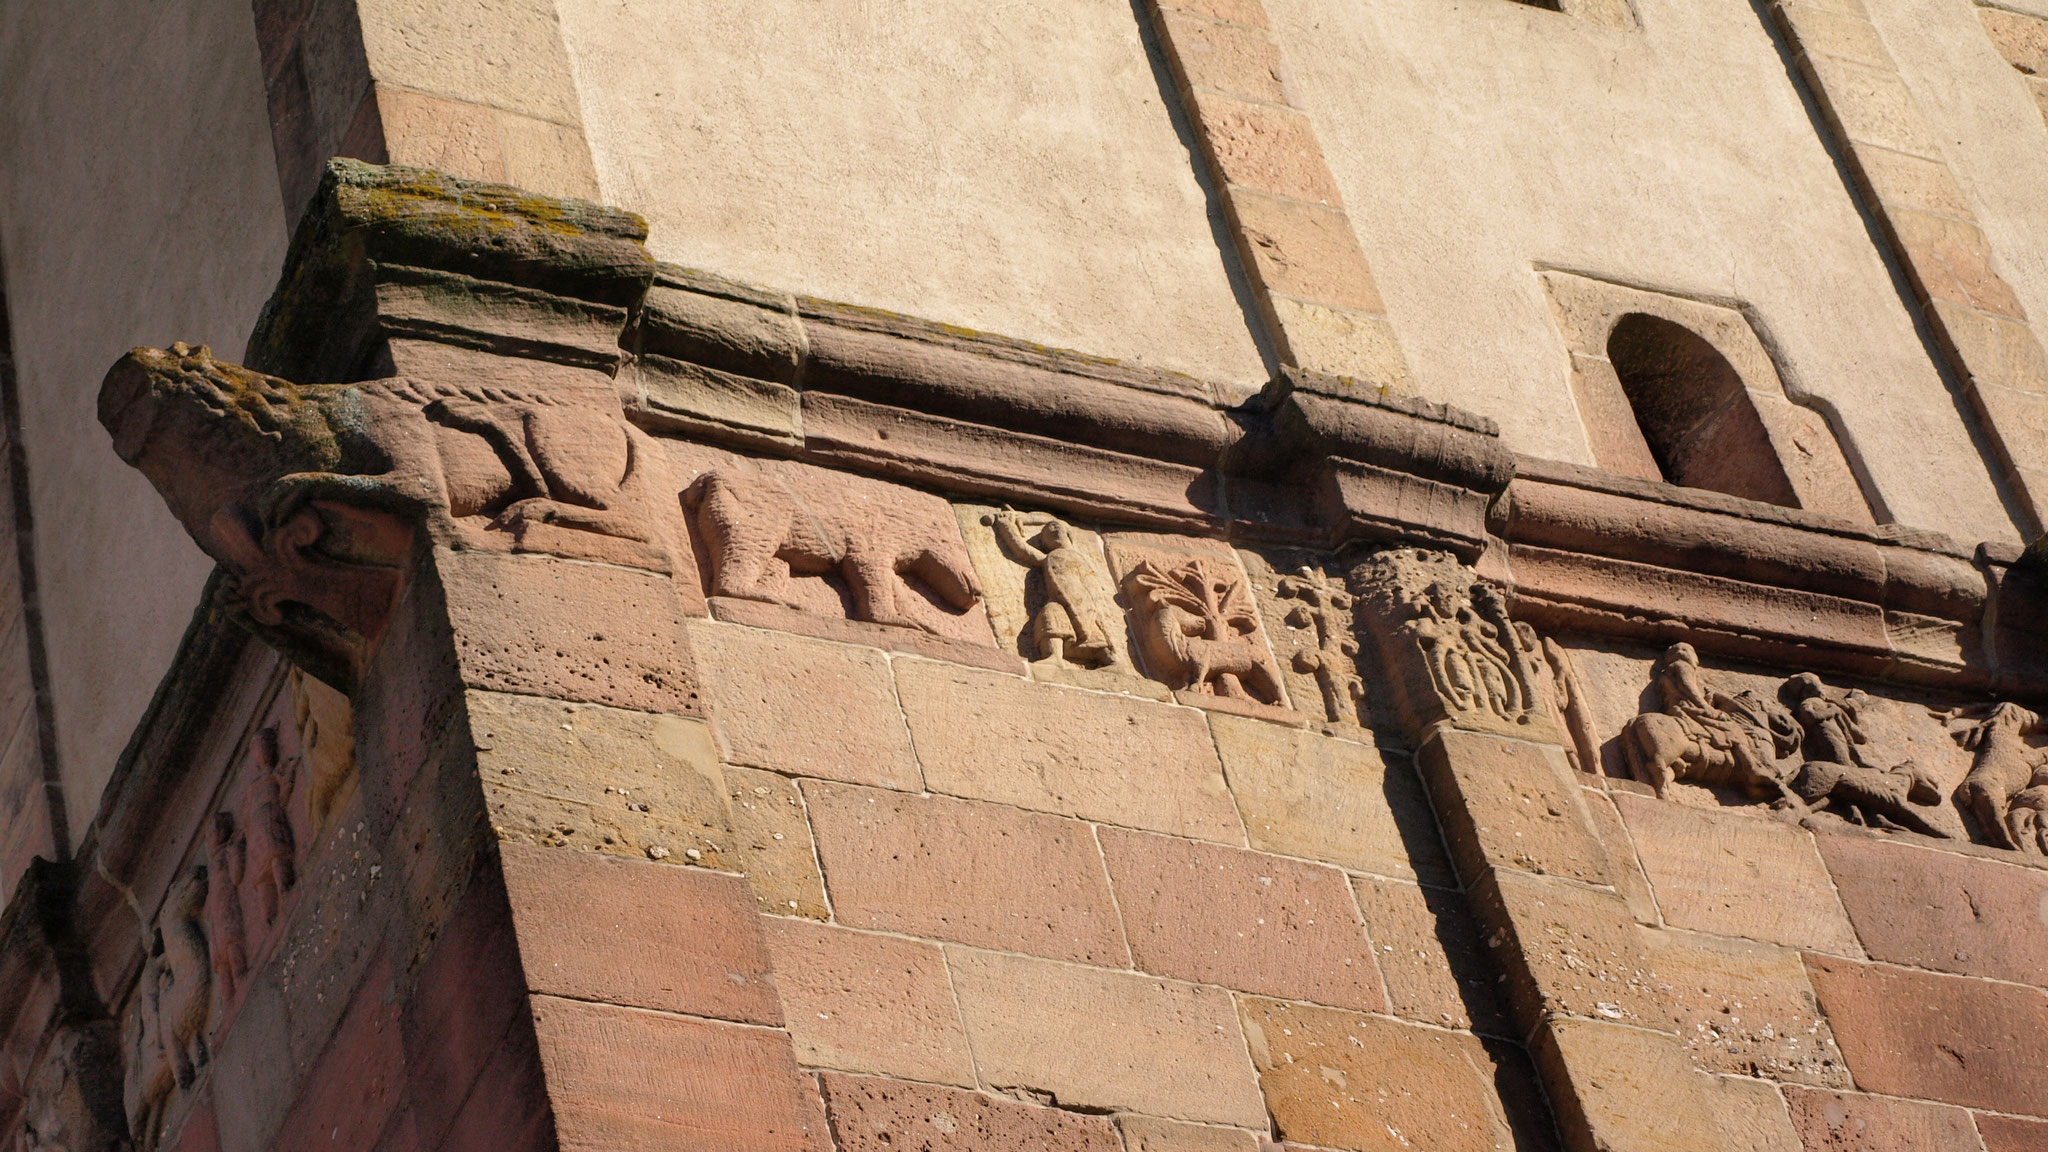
(1991, 131)
(1476, 141)
(138, 204)
(1008, 167)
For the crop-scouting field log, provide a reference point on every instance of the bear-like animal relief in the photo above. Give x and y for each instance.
(764, 524)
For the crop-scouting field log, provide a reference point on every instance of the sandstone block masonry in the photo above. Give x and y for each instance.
(766, 803)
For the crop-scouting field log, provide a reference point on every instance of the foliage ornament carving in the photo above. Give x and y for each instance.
(1322, 609)
(1448, 643)
(307, 494)
(1199, 630)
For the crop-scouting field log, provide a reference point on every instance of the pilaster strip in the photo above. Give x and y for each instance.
(1895, 154)
(1315, 292)
(1575, 970)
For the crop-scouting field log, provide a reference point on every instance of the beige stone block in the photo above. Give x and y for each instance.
(1430, 956)
(1953, 261)
(1737, 873)
(1250, 13)
(1305, 794)
(805, 707)
(1225, 57)
(868, 1003)
(982, 874)
(601, 780)
(1264, 147)
(1616, 1087)
(1308, 251)
(1875, 106)
(1624, 870)
(1360, 345)
(545, 157)
(775, 845)
(875, 1115)
(1751, 1115)
(1096, 1039)
(2019, 37)
(1151, 1134)
(1745, 1009)
(1342, 1080)
(1568, 949)
(1843, 35)
(1906, 181)
(1995, 349)
(1245, 920)
(507, 54)
(1615, 14)
(1511, 804)
(1054, 749)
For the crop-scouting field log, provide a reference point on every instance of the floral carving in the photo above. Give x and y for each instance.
(1199, 631)
(1330, 651)
(1448, 640)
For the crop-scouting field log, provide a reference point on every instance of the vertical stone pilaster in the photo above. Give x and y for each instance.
(1578, 980)
(1895, 154)
(1315, 292)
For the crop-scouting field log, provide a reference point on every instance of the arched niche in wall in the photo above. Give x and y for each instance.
(1696, 418)
(1683, 391)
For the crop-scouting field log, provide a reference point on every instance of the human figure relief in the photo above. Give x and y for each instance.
(763, 526)
(167, 1022)
(273, 855)
(1071, 624)
(1200, 632)
(1703, 735)
(227, 931)
(1331, 656)
(2006, 790)
(1836, 775)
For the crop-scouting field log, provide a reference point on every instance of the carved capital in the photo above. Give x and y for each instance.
(310, 496)
(1448, 647)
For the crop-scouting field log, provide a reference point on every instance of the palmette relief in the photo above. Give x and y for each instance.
(1319, 619)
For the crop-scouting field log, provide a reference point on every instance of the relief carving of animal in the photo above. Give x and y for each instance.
(1709, 737)
(2006, 790)
(306, 494)
(761, 527)
(173, 1005)
(1199, 630)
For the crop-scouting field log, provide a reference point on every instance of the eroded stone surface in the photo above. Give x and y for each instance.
(875, 1115)
(868, 1003)
(1083, 1037)
(775, 838)
(1341, 1080)
(1745, 1009)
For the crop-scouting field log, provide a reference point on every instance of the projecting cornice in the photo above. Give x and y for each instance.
(403, 273)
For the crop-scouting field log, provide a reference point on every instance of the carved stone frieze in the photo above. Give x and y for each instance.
(306, 494)
(1050, 598)
(896, 553)
(165, 1031)
(1806, 749)
(1448, 644)
(1199, 631)
(1319, 619)
(2006, 791)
